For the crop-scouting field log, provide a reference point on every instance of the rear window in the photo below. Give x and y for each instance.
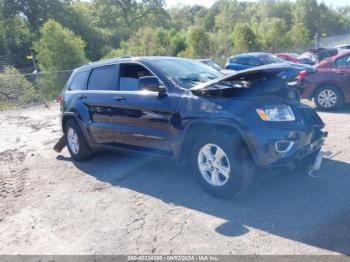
(79, 81)
(103, 78)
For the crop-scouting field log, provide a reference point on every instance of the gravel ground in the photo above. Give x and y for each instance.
(118, 204)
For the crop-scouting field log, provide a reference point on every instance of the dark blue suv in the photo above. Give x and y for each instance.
(224, 127)
(245, 61)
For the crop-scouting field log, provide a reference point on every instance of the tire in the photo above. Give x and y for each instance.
(78, 149)
(234, 159)
(334, 95)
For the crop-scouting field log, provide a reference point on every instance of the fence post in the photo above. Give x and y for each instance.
(316, 40)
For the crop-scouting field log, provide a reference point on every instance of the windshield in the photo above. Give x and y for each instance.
(270, 59)
(187, 73)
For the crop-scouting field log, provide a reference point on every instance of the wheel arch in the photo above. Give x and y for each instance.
(71, 115)
(325, 85)
(212, 126)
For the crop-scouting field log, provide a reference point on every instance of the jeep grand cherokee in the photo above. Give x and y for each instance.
(224, 127)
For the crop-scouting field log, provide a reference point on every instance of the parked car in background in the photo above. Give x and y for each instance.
(214, 65)
(329, 87)
(290, 57)
(245, 61)
(224, 127)
(307, 58)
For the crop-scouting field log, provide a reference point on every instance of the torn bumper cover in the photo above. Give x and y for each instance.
(286, 147)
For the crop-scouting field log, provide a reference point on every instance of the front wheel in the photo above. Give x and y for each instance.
(222, 164)
(328, 98)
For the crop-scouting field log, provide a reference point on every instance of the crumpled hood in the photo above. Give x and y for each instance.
(265, 69)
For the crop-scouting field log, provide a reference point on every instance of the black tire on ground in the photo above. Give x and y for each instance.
(84, 152)
(242, 167)
(338, 95)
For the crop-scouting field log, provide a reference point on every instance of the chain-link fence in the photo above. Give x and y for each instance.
(18, 89)
(333, 41)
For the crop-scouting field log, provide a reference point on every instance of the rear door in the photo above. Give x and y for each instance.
(75, 94)
(100, 100)
(142, 119)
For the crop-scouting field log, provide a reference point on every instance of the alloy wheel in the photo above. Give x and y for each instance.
(73, 140)
(327, 98)
(214, 165)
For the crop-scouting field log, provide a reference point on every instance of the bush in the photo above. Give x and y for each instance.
(15, 89)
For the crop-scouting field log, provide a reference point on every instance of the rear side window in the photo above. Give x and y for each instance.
(103, 78)
(79, 81)
(239, 60)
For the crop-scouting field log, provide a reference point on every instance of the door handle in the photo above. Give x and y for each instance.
(82, 97)
(119, 98)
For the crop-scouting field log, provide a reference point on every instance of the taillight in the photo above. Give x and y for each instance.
(302, 74)
(59, 99)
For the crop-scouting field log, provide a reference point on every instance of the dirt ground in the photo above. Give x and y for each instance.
(118, 204)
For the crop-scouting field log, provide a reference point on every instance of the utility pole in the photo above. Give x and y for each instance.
(34, 64)
(316, 40)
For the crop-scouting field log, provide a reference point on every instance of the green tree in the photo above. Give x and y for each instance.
(15, 89)
(306, 12)
(300, 37)
(229, 13)
(272, 34)
(57, 50)
(244, 38)
(35, 11)
(198, 43)
(15, 36)
(79, 18)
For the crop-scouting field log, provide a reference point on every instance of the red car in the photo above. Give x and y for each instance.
(291, 57)
(330, 85)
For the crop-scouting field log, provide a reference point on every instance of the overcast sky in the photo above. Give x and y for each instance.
(208, 3)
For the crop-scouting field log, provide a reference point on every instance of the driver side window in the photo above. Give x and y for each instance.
(130, 74)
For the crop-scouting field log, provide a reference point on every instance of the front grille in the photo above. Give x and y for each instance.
(310, 117)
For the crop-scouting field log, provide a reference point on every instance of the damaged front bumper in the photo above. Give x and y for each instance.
(288, 144)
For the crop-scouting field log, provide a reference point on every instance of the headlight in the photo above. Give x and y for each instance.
(276, 113)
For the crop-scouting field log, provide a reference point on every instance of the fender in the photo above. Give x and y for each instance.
(82, 125)
(228, 123)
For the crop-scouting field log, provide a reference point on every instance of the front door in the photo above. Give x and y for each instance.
(141, 118)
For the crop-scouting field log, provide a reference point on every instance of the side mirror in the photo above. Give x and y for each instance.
(151, 83)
